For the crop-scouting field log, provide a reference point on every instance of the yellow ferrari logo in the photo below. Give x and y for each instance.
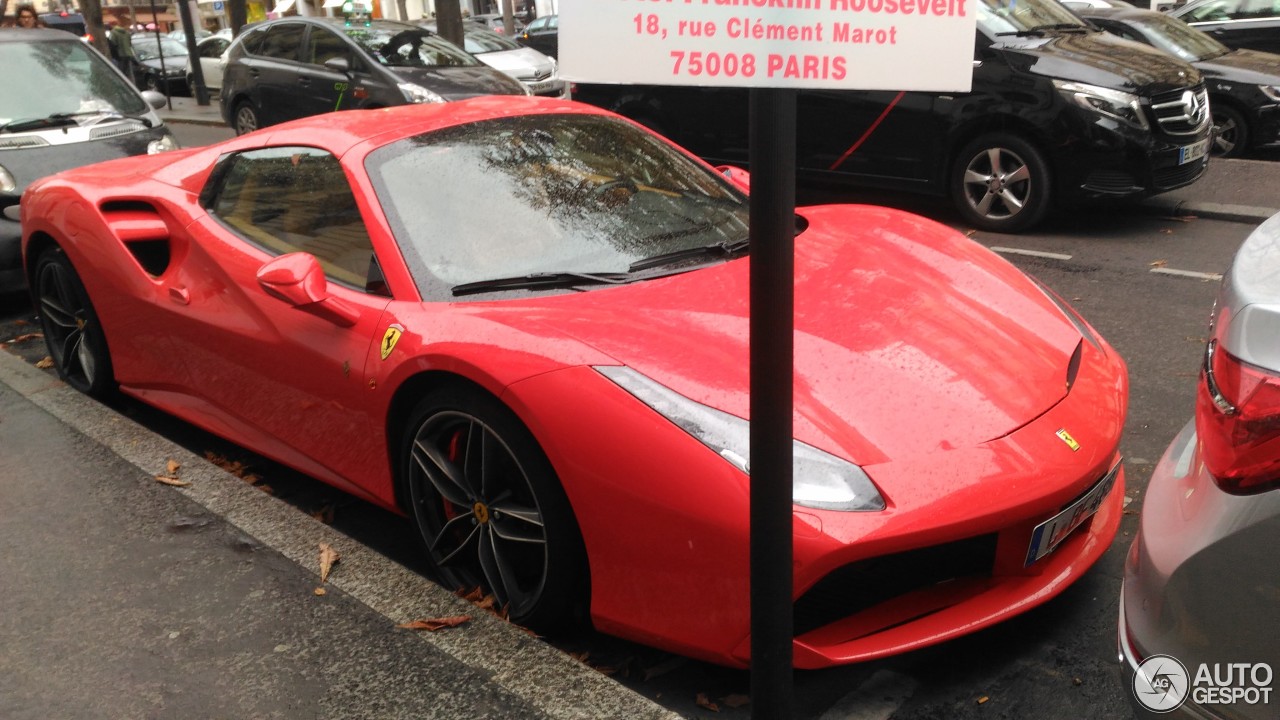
(1070, 441)
(389, 340)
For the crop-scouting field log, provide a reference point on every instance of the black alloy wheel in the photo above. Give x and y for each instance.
(1230, 131)
(71, 328)
(1000, 183)
(245, 118)
(490, 509)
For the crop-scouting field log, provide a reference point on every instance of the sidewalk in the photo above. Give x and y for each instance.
(1236, 190)
(127, 598)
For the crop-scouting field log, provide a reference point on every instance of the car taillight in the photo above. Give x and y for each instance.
(1238, 423)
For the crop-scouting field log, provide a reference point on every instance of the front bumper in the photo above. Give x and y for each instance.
(12, 279)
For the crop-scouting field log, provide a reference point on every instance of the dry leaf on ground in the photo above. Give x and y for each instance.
(45, 363)
(983, 699)
(434, 624)
(320, 591)
(328, 558)
(169, 480)
(1159, 263)
(28, 336)
(735, 701)
(173, 466)
(703, 702)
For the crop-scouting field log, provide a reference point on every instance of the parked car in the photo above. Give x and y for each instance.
(1200, 583)
(1095, 117)
(1251, 24)
(298, 66)
(211, 53)
(162, 63)
(1244, 85)
(494, 22)
(546, 398)
(1086, 4)
(543, 35)
(62, 105)
(538, 72)
(69, 21)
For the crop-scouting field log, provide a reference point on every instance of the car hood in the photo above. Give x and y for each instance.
(1245, 66)
(459, 83)
(524, 64)
(1099, 58)
(909, 337)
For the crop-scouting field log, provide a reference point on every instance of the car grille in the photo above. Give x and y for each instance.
(1181, 112)
(1173, 177)
(864, 584)
(1117, 182)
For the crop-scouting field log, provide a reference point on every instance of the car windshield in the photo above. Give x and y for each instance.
(1179, 39)
(408, 47)
(46, 78)
(145, 47)
(1008, 17)
(547, 194)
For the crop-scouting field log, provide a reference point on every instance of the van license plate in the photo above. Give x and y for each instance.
(1191, 153)
(1050, 533)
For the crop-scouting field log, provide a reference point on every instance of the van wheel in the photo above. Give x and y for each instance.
(1000, 183)
(245, 118)
(1230, 131)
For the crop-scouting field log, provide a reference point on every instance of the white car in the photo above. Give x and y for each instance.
(211, 52)
(538, 72)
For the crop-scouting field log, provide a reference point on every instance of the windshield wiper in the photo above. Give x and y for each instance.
(1043, 29)
(66, 120)
(729, 248)
(542, 280)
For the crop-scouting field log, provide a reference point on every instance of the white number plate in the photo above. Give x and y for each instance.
(1191, 153)
(1050, 533)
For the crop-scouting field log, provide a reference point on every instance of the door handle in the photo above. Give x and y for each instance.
(304, 82)
(179, 295)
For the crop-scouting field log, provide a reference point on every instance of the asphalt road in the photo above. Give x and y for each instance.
(1055, 662)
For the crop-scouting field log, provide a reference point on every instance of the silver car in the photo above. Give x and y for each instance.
(1199, 633)
(538, 72)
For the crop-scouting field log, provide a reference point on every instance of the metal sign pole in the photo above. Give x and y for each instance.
(773, 201)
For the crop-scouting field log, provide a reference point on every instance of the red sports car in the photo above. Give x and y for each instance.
(522, 323)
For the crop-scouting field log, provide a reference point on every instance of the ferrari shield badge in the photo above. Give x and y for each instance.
(1062, 435)
(389, 340)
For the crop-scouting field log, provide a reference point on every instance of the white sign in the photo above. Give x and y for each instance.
(862, 44)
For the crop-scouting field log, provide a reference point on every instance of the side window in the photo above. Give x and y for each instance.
(323, 46)
(214, 48)
(1210, 12)
(553, 22)
(537, 25)
(290, 199)
(282, 41)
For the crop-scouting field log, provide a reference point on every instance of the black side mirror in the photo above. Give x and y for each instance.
(339, 64)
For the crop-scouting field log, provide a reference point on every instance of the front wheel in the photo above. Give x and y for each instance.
(490, 509)
(245, 118)
(72, 332)
(1000, 183)
(1230, 131)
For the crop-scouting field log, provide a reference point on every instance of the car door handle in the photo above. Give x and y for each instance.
(304, 82)
(254, 72)
(179, 295)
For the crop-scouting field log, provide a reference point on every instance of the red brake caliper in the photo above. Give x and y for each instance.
(454, 452)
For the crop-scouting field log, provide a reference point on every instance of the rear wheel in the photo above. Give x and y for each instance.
(1230, 131)
(490, 509)
(71, 328)
(245, 118)
(1000, 183)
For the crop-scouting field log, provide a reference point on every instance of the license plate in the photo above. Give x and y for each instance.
(1050, 533)
(538, 88)
(1194, 152)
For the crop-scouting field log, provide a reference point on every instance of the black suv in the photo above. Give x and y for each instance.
(299, 66)
(1059, 111)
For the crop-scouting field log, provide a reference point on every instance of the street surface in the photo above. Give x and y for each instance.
(1146, 283)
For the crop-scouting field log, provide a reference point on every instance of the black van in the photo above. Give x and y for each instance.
(1059, 112)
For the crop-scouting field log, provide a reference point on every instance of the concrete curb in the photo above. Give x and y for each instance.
(1250, 214)
(555, 683)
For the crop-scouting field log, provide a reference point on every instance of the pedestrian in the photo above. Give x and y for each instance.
(121, 45)
(27, 17)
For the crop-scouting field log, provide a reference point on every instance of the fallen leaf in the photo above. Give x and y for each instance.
(473, 595)
(320, 591)
(324, 514)
(167, 480)
(328, 558)
(21, 323)
(434, 624)
(1159, 263)
(173, 466)
(702, 702)
(735, 701)
(580, 656)
(608, 670)
(1166, 231)
(1077, 682)
(45, 364)
(28, 336)
(983, 699)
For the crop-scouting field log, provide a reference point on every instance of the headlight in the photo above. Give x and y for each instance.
(164, 144)
(418, 94)
(1104, 101)
(819, 479)
(1271, 91)
(7, 183)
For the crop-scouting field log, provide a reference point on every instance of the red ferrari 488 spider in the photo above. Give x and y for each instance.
(522, 323)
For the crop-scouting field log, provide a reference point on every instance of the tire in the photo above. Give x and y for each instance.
(1000, 183)
(503, 525)
(245, 118)
(72, 331)
(1230, 131)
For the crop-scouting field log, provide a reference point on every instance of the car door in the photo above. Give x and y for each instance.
(283, 377)
(274, 69)
(210, 53)
(879, 135)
